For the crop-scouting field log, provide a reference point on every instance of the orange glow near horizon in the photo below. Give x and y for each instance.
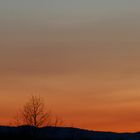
(97, 103)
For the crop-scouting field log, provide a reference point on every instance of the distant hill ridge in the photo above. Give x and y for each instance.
(61, 133)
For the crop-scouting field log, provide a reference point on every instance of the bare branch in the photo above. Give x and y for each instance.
(33, 112)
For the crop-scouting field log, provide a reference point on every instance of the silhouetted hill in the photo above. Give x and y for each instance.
(61, 133)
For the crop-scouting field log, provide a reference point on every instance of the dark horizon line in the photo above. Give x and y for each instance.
(68, 127)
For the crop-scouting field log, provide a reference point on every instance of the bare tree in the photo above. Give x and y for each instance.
(34, 113)
(57, 122)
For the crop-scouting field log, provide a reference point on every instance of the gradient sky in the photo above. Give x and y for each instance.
(81, 56)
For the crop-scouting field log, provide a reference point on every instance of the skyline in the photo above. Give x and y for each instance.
(81, 56)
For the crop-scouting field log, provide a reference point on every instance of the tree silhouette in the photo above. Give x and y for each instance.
(34, 113)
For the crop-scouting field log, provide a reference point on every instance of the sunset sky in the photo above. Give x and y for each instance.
(81, 56)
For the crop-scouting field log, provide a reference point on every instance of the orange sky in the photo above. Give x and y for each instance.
(85, 64)
(87, 87)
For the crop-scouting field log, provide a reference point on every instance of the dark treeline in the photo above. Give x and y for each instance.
(60, 133)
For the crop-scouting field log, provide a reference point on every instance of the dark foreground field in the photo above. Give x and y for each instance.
(61, 133)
